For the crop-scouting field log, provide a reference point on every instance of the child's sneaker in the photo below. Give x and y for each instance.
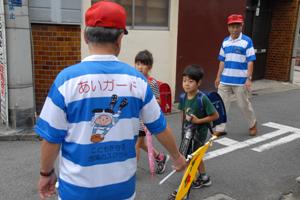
(202, 182)
(161, 163)
(173, 196)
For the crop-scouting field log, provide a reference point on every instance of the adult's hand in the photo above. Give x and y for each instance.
(217, 82)
(46, 186)
(248, 84)
(180, 163)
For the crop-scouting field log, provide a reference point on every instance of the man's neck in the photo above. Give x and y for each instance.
(98, 49)
(234, 37)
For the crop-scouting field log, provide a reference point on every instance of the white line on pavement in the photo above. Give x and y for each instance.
(278, 142)
(283, 129)
(281, 126)
(226, 141)
(240, 145)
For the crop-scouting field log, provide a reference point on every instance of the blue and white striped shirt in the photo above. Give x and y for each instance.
(80, 106)
(236, 54)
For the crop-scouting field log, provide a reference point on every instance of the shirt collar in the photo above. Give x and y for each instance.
(239, 38)
(101, 58)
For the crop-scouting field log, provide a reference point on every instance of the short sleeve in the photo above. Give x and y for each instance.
(221, 56)
(208, 106)
(151, 113)
(155, 88)
(52, 123)
(250, 52)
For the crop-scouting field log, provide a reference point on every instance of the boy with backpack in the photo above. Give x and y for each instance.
(143, 63)
(196, 117)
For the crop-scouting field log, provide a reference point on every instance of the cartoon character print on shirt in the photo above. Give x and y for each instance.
(104, 119)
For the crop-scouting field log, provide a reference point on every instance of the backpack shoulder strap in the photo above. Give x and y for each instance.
(200, 100)
(182, 98)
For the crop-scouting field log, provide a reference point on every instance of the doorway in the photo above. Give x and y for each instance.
(257, 26)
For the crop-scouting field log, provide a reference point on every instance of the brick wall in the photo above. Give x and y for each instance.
(55, 47)
(281, 39)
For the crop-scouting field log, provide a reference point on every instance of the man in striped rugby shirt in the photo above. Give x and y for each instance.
(90, 118)
(235, 72)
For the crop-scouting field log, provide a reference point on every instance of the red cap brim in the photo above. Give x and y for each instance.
(235, 22)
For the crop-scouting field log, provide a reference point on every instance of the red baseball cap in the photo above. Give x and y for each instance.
(235, 18)
(106, 14)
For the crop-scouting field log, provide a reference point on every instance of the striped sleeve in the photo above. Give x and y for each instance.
(151, 114)
(155, 89)
(250, 53)
(52, 123)
(221, 56)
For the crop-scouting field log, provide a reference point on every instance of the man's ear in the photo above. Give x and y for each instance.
(85, 38)
(119, 40)
(118, 44)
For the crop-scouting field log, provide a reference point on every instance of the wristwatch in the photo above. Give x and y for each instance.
(250, 78)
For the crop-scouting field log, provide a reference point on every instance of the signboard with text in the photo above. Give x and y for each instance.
(3, 67)
(17, 3)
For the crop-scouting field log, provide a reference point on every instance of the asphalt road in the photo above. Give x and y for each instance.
(245, 169)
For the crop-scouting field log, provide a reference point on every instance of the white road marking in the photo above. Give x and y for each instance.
(281, 126)
(219, 197)
(232, 146)
(278, 142)
(226, 141)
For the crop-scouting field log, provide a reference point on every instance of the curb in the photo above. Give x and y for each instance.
(18, 135)
(294, 194)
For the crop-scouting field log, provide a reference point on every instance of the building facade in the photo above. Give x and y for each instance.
(45, 36)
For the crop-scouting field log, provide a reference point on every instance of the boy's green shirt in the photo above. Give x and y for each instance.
(190, 106)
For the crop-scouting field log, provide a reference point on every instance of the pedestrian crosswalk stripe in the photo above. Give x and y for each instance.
(278, 142)
(232, 145)
(226, 141)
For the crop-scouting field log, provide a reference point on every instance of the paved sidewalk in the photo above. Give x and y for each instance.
(269, 86)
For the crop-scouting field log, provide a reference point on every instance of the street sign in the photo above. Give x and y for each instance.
(17, 3)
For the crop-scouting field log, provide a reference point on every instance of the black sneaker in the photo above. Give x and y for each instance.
(200, 182)
(161, 164)
(173, 196)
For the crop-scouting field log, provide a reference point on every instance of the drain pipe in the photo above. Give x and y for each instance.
(295, 47)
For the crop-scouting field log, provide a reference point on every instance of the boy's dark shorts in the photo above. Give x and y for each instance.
(197, 145)
(142, 133)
